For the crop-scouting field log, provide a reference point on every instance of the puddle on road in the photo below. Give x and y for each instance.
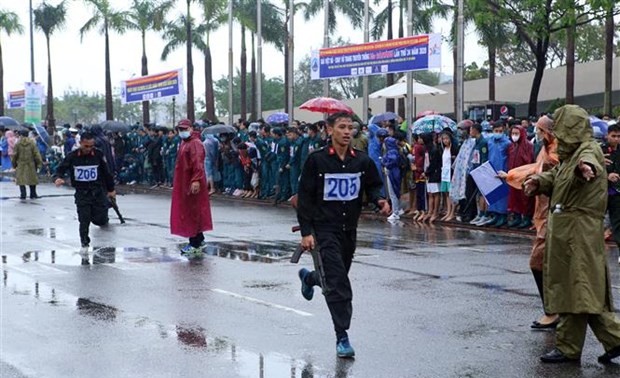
(242, 251)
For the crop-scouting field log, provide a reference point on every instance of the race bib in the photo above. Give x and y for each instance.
(341, 186)
(85, 173)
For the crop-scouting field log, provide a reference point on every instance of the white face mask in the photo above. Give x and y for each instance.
(184, 134)
(515, 138)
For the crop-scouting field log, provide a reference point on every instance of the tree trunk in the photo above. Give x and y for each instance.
(51, 122)
(286, 67)
(454, 73)
(401, 33)
(145, 71)
(244, 75)
(1, 83)
(109, 111)
(609, 61)
(209, 100)
(389, 103)
(541, 62)
(492, 63)
(570, 64)
(191, 114)
(253, 86)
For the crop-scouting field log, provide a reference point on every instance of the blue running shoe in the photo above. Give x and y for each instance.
(306, 290)
(344, 348)
(186, 250)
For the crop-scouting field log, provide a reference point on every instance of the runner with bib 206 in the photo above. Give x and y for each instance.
(328, 208)
(93, 182)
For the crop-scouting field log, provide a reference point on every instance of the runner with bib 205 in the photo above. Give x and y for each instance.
(328, 208)
(93, 183)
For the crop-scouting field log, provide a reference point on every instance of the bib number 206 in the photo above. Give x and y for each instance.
(341, 186)
(86, 173)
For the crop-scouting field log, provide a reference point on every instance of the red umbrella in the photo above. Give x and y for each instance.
(326, 105)
(425, 113)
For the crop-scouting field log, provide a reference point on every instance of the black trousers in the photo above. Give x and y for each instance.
(469, 206)
(336, 251)
(92, 206)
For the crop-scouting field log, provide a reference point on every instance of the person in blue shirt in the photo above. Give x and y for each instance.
(475, 203)
(295, 144)
(282, 152)
(498, 143)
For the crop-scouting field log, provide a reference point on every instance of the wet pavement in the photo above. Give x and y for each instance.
(429, 301)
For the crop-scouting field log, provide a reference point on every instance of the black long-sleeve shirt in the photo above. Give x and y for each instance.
(86, 170)
(330, 190)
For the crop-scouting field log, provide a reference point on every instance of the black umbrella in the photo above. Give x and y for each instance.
(10, 124)
(115, 126)
(219, 129)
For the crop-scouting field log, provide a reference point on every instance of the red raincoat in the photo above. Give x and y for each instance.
(190, 214)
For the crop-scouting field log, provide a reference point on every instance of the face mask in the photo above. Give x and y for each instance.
(515, 138)
(497, 136)
(184, 134)
(306, 135)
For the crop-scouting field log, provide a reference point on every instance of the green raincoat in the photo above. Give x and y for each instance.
(27, 161)
(575, 273)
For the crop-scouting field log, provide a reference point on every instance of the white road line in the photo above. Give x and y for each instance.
(268, 304)
(40, 268)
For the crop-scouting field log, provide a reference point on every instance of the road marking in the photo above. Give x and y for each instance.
(259, 301)
(37, 268)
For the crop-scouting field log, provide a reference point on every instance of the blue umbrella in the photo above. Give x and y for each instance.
(432, 123)
(276, 118)
(598, 125)
(387, 116)
(45, 137)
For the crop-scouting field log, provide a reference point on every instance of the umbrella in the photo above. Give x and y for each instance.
(115, 126)
(10, 124)
(387, 116)
(399, 90)
(45, 137)
(432, 123)
(326, 105)
(598, 125)
(220, 129)
(278, 117)
(425, 113)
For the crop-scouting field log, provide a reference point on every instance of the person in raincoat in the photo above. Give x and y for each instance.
(575, 273)
(27, 161)
(392, 162)
(190, 210)
(545, 161)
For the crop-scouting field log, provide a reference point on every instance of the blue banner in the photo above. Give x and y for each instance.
(414, 53)
(145, 88)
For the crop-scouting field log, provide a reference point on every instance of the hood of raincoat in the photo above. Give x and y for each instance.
(572, 125)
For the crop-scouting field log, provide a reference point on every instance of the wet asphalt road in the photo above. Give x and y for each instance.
(428, 301)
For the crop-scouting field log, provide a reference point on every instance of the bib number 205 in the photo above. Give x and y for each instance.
(85, 173)
(341, 186)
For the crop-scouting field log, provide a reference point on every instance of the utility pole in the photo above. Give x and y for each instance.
(326, 42)
(31, 46)
(230, 62)
(365, 104)
(291, 61)
(259, 60)
(460, 43)
(409, 112)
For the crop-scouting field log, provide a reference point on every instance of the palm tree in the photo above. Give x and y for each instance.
(146, 15)
(106, 18)
(214, 15)
(9, 24)
(272, 32)
(48, 19)
(353, 11)
(183, 32)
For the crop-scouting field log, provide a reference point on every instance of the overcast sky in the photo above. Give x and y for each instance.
(80, 64)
